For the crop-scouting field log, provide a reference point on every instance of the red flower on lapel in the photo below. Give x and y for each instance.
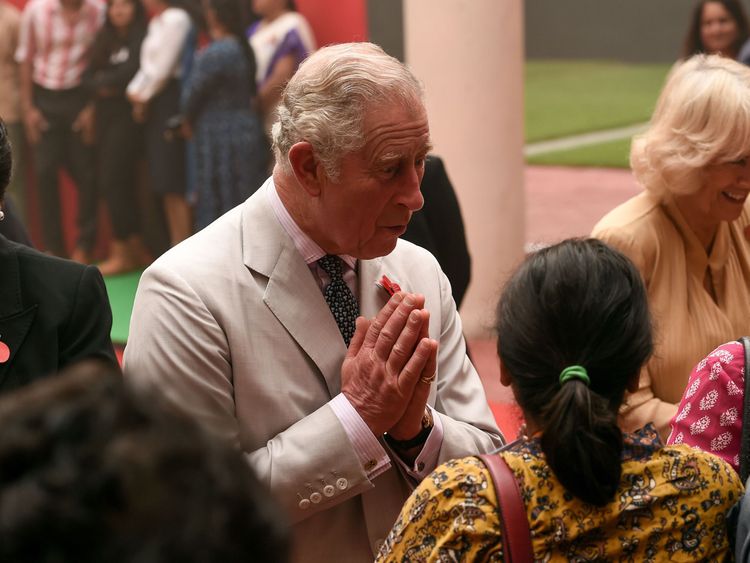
(389, 286)
(4, 352)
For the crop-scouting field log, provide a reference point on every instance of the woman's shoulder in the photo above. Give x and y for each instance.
(704, 482)
(224, 48)
(457, 487)
(638, 228)
(175, 16)
(636, 214)
(44, 268)
(681, 460)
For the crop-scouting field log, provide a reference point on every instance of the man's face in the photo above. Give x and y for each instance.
(368, 207)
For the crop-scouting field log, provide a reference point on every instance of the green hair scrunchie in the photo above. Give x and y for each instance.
(574, 372)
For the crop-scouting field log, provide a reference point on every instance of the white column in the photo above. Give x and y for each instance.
(469, 55)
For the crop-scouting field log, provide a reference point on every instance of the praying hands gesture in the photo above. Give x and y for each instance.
(389, 367)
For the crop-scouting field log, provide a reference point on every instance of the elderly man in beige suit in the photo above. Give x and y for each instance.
(250, 324)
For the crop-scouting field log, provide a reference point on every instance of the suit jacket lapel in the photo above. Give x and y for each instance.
(292, 293)
(15, 320)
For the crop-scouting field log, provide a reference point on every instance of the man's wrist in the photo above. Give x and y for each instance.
(427, 424)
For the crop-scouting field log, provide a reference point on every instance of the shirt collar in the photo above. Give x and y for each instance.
(696, 254)
(307, 247)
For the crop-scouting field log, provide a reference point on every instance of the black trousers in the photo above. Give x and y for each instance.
(61, 147)
(119, 142)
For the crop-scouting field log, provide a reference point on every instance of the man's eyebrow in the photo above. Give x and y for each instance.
(391, 156)
(387, 158)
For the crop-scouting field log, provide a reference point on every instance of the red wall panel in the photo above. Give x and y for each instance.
(336, 21)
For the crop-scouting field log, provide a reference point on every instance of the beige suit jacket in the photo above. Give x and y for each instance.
(232, 326)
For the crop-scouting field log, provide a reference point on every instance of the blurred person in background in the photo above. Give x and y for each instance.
(439, 227)
(53, 51)
(710, 412)
(281, 39)
(155, 94)
(231, 153)
(687, 231)
(114, 61)
(10, 103)
(53, 312)
(92, 472)
(718, 27)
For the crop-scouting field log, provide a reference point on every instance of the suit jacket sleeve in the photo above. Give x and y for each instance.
(87, 333)
(177, 346)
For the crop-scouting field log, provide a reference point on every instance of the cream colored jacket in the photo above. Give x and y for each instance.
(232, 326)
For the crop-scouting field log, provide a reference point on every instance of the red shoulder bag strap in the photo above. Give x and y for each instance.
(513, 520)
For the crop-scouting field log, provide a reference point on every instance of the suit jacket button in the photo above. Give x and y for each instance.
(304, 504)
(316, 497)
(342, 483)
(328, 490)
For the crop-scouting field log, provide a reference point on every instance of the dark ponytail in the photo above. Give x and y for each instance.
(576, 303)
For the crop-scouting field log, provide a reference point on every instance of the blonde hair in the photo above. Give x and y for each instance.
(325, 102)
(702, 117)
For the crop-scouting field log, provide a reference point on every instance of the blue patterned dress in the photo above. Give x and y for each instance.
(231, 154)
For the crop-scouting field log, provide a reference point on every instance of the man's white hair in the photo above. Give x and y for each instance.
(326, 101)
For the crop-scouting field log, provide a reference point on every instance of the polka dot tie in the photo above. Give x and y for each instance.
(339, 297)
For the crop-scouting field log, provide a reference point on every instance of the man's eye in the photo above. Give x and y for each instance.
(740, 162)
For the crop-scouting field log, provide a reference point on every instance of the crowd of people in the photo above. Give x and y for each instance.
(296, 385)
(184, 86)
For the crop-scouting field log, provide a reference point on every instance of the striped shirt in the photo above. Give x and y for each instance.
(57, 44)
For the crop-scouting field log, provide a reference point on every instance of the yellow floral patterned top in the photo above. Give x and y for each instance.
(670, 506)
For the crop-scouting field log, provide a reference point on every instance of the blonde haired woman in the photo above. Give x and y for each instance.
(686, 232)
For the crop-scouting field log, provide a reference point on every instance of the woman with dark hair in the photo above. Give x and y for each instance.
(53, 312)
(574, 331)
(231, 155)
(114, 61)
(717, 27)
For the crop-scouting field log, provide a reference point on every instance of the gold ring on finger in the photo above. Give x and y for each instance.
(428, 380)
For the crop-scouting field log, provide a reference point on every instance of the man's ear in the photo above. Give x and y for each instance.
(505, 378)
(306, 168)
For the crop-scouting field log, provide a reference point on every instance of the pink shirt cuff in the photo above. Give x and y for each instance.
(427, 459)
(371, 454)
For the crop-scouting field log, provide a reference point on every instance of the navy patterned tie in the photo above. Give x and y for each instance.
(339, 297)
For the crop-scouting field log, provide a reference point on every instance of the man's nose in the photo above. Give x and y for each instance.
(412, 193)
